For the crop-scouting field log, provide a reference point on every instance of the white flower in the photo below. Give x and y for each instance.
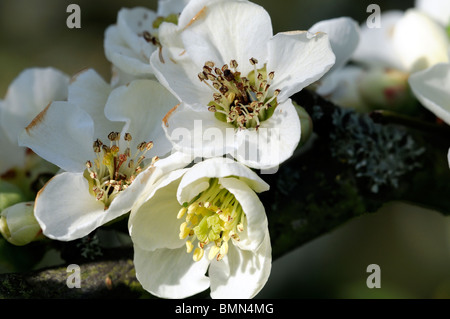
(129, 43)
(100, 138)
(439, 10)
(30, 92)
(205, 219)
(431, 87)
(408, 41)
(233, 74)
(343, 34)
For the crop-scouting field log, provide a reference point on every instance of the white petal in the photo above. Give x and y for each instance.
(90, 92)
(298, 59)
(153, 222)
(194, 10)
(217, 168)
(430, 86)
(195, 131)
(122, 56)
(170, 273)
(62, 134)
(448, 157)
(228, 30)
(419, 41)
(255, 229)
(375, 46)
(439, 10)
(274, 142)
(167, 7)
(341, 87)
(132, 23)
(179, 74)
(124, 201)
(147, 102)
(12, 153)
(66, 210)
(343, 34)
(241, 274)
(29, 94)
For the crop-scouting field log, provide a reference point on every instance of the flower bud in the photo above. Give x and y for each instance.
(18, 224)
(387, 89)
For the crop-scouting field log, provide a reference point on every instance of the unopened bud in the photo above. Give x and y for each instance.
(18, 224)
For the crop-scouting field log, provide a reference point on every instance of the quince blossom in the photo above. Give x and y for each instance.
(101, 139)
(130, 43)
(203, 220)
(234, 79)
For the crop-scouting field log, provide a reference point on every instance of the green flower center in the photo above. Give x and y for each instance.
(212, 218)
(244, 102)
(113, 170)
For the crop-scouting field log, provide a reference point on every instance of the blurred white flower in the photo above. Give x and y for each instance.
(203, 220)
(408, 41)
(28, 94)
(431, 87)
(129, 43)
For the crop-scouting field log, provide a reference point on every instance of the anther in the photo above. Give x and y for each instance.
(127, 137)
(114, 136)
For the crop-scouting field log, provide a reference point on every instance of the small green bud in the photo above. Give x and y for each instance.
(18, 224)
(387, 89)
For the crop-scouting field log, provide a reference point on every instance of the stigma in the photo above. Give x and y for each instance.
(244, 101)
(211, 219)
(113, 170)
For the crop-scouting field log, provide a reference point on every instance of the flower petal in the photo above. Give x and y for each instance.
(170, 273)
(298, 59)
(118, 52)
(376, 46)
(177, 72)
(274, 142)
(147, 102)
(242, 273)
(437, 9)
(194, 130)
(62, 134)
(430, 86)
(255, 229)
(90, 92)
(419, 41)
(28, 95)
(229, 30)
(66, 210)
(167, 7)
(343, 34)
(12, 154)
(153, 222)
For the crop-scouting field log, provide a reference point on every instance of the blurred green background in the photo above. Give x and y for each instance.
(410, 244)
